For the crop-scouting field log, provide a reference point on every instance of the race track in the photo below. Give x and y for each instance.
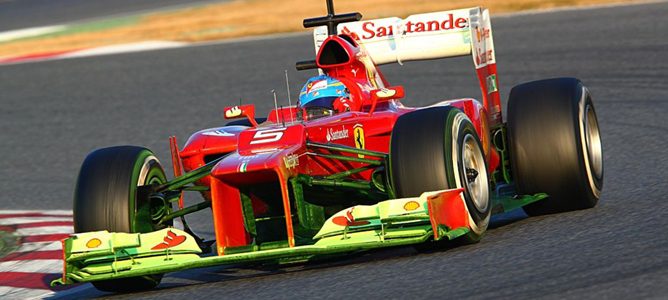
(53, 113)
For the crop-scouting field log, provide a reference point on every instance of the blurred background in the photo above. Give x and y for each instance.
(30, 27)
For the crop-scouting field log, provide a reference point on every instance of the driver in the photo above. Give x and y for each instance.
(324, 96)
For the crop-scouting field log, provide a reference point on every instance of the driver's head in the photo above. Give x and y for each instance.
(324, 96)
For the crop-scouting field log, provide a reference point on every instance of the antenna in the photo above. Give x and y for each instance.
(275, 104)
(287, 85)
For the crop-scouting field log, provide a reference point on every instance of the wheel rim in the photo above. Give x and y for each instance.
(157, 206)
(473, 164)
(593, 142)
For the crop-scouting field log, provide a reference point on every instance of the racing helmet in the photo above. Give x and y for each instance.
(323, 96)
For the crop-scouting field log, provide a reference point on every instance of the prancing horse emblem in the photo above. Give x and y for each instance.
(358, 131)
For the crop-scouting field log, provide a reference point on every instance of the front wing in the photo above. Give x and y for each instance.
(103, 255)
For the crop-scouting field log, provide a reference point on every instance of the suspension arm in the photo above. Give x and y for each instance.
(188, 178)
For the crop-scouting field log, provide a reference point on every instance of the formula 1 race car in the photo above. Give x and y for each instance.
(349, 168)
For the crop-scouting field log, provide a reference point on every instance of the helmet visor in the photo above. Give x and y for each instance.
(318, 108)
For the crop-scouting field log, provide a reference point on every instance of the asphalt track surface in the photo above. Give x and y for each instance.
(53, 113)
(18, 14)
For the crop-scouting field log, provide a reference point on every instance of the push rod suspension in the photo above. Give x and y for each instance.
(350, 158)
(347, 173)
(190, 177)
(346, 149)
(185, 211)
(340, 183)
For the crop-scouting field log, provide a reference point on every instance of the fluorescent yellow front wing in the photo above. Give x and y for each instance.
(103, 255)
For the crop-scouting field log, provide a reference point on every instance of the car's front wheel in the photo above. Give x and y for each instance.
(108, 197)
(438, 148)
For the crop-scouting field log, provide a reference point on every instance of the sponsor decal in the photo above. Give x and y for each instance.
(291, 161)
(483, 57)
(481, 35)
(483, 47)
(93, 243)
(171, 240)
(358, 132)
(348, 220)
(491, 84)
(385, 93)
(411, 205)
(372, 30)
(233, 112)
(316, 85)
(333, 135)
(352, 34)
(218, 132)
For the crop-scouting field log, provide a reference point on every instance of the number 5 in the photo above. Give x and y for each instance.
(267, 136)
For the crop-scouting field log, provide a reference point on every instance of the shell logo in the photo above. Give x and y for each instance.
(411, 205)
(93, 243)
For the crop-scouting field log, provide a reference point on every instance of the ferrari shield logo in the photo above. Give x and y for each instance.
(358, 133)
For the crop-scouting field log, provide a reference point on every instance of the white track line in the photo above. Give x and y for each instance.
(29, 220)
(45, 212)
(44, 230)
(40, 246)
(125, 48)
(33, 266)
(11, 35)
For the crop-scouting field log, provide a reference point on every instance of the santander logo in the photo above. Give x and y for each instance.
(333, 135)
(371, 29)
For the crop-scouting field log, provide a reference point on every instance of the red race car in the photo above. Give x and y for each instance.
(349, 167)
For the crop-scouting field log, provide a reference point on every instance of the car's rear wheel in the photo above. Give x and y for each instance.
(438, 148)
(108, 197)
(555, 144)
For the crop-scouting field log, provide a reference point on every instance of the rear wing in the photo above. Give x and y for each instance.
(431, 36)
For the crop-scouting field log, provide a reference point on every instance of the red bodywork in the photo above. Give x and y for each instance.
(277, 150)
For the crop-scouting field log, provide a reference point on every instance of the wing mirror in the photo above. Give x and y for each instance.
(241, 111)
(386, 94)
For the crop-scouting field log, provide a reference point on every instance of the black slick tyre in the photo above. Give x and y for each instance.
(107, 197)
(555, 145)
(438, 148)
